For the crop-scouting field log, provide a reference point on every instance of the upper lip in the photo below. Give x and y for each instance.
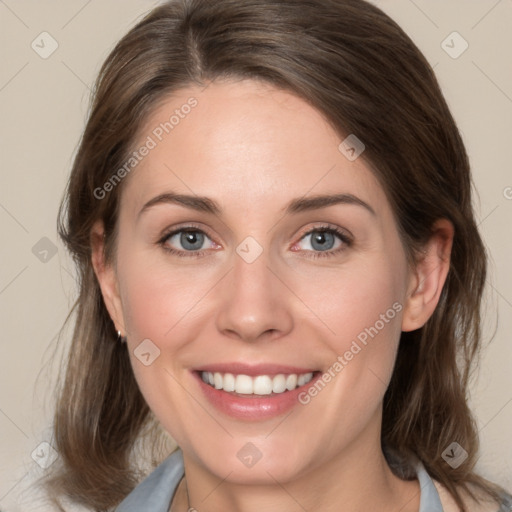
(253, 370)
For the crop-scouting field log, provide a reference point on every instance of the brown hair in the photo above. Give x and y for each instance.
(356, 66)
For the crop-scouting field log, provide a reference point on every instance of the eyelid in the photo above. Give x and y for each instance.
(186, 226)
(326, 226)
(344, 235)
(174, 230)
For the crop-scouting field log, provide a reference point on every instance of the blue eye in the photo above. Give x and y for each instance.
(190, 239)
(325, 241)
(322, 240)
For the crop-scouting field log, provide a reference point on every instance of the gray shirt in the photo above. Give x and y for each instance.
(155, 493)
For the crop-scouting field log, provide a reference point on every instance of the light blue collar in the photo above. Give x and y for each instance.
(154, 494)
(429, 497)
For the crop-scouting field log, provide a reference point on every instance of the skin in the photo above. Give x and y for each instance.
(252, 149)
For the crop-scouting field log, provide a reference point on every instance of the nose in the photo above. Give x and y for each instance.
(254, 302)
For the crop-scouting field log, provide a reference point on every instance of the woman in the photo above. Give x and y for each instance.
(270, 211)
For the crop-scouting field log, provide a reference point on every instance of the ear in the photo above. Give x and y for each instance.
(428, 276)
(107, 278)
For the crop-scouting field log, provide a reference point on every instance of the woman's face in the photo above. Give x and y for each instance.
(257, 287)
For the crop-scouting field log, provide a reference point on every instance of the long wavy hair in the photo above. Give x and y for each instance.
(358, 68)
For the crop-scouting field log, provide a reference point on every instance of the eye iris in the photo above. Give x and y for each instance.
(192, 237)
(324, 239)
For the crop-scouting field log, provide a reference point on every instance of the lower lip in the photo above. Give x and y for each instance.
(253, 407)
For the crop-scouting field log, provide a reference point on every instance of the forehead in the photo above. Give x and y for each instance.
(243, 141)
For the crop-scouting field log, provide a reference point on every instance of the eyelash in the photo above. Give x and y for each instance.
(345, 239)
(182, 254)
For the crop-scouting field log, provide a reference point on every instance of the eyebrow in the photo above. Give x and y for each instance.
(302, 204)
(322, 201)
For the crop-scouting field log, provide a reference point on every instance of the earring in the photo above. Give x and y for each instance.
(120, 338)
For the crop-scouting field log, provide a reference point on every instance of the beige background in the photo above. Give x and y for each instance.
(43, 105)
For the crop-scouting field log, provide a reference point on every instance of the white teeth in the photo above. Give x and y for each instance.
(262, 385)
(228, 382)
(279, 383)
(259, 385)
(243, 384)
(217, 380)
(291, 381)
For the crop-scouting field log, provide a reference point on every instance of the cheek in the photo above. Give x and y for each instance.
(350, 302)
(166, 305)
(157, 297)
(360, 314)
(158, 306)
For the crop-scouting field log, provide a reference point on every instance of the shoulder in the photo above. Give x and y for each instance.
(484, 503)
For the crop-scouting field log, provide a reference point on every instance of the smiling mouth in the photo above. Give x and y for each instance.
(256, 386)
